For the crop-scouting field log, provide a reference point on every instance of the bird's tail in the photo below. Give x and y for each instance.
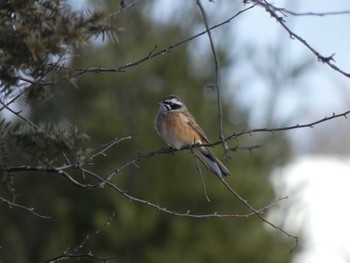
(212, 162)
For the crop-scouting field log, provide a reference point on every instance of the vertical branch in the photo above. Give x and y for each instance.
(217, 74)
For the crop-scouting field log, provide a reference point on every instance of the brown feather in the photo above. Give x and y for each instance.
(194, 125)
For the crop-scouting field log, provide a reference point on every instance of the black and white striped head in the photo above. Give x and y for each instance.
(172, 103)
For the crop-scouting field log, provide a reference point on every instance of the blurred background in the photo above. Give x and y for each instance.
(267, 79)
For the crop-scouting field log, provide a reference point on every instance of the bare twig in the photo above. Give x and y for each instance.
(13, 99)
(152, 54)
(79, 257)
(31, 210)
(245, 148)
(104, 147)
(164, 209)
(297, 126)
(57, 170)
(123, 7)
(102, 182)
(95, 233)
(18, 115)
(217, 74)
(201, 175)
(272, 10)
(71, 253)
(143, 156)
(335, 13)
(258, 213)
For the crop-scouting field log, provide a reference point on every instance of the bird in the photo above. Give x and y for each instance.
(178, 128)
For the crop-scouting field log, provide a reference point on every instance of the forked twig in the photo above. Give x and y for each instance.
(71, 253)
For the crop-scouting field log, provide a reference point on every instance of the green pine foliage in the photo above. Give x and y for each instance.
(48, 144)
(33, 32)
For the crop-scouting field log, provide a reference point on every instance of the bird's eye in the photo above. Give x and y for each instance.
(175, 106)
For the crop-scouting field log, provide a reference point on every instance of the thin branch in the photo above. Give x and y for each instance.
(245, 148)
(335, 13)
(272, 10)
(297, 126)
(18, 115)
(258, 213)
(164, 209)
(95, 233)
(103, 182)
(167, 211)
(13, 100)
(152, 54)
(143, 156)
(79, 257)
(31, 210)
(71, 253)
(217, 74)
(201, 176)
(123, 7)
(104, 147)
(133, 198)
(56, 170)
(216, 215)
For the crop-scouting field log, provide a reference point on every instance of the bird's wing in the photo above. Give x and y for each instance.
(194, 125)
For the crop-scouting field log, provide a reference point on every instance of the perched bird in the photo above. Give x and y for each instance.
(178, 128)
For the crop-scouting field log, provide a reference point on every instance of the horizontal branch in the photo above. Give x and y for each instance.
(142, 156)
(334, 13)
(79, 257)
(152, 54)
(56, 170)
(297, 126)
(103, 182)
(188, 213)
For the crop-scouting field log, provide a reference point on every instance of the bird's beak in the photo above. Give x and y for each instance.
(162, 107)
